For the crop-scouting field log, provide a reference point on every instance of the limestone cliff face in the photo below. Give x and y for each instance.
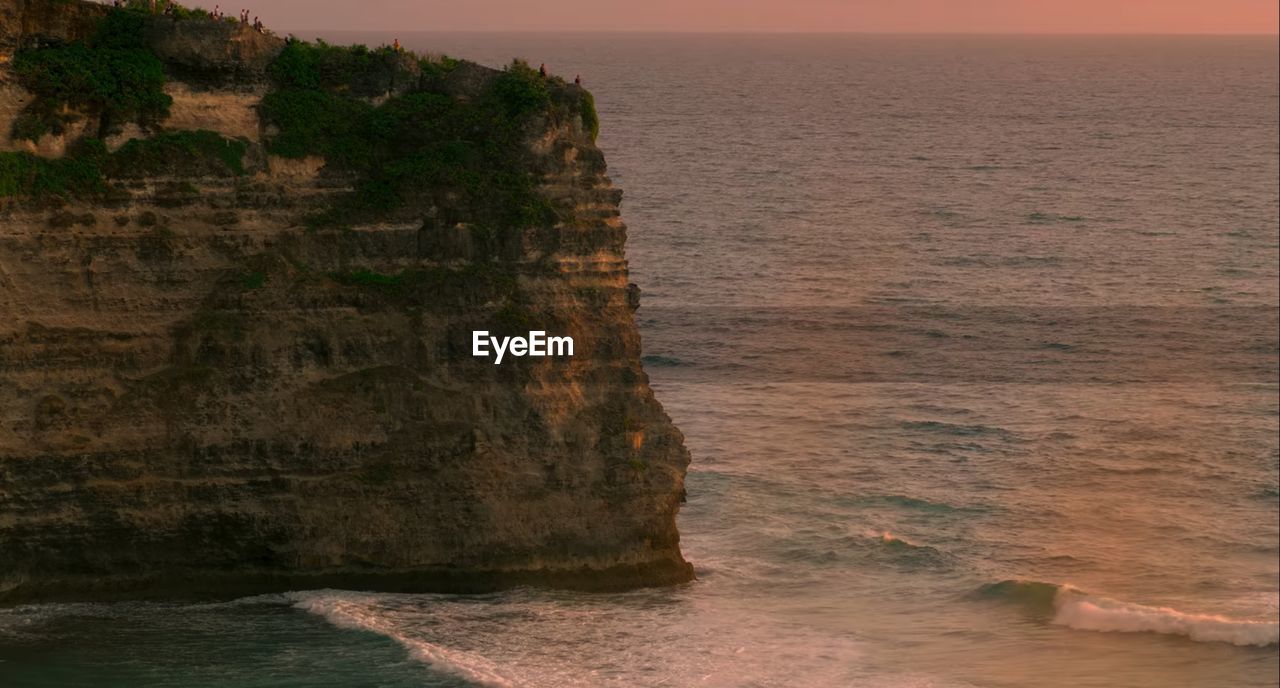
(200, 394)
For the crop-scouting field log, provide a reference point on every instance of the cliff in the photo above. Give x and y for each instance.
(238, 285)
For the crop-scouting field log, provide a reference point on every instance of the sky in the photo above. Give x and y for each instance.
(874, 16)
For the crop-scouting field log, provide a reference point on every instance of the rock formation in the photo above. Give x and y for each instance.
(225, 370)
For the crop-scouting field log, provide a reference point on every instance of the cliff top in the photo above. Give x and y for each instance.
(407, 130)
(32, 23)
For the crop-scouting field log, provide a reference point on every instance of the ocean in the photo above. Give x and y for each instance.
(974, 341)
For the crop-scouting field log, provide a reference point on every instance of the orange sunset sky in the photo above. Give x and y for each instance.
(910, 16)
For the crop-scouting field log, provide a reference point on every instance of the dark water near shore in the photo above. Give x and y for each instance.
(974, 341)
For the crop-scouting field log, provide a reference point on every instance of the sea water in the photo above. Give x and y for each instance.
(974, 342)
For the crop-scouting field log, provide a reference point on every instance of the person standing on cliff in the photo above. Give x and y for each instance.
(577, 80)
(542, 70)
(395, 45)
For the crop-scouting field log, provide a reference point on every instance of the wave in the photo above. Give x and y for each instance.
(895, 541)
(889, 538)
(1068, 606)
(955, 429)
(658, 361)
(915, 504)
(1037, 597)
(1268, 492)
(355, 611)
(26, 622)
(1135, 470)
(898, 551)
(1045, 218)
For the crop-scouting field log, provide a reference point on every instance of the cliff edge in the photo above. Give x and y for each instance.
(239, 277)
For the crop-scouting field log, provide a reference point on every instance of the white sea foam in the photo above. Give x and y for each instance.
(534, 639)
(1084, 612)
(355, 611)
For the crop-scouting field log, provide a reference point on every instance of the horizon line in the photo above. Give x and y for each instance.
(736, 32)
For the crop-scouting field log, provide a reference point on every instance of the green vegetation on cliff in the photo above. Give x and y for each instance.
(415, 147)
(86, 168)
(415, 135)
(113, 75)
(590, 119)
(342, 69)
(116, 78)
(79, 173)
(185, 153)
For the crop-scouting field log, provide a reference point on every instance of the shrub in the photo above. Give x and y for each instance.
(190, 153)
(421, 144)
(314, 122)
(79, 173)
(113, 76)
(303, 65)
(84, 171)
(590, 118)
(435, 68)
(253, 280)
(521, 90)
(321, 66)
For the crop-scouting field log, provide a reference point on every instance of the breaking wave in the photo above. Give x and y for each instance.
(1067, 606)
(354, 611)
